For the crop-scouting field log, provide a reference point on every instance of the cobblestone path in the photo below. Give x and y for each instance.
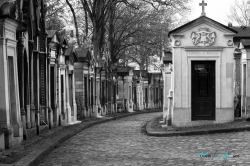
(121, 142)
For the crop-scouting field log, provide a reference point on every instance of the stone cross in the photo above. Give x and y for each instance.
(203, 8)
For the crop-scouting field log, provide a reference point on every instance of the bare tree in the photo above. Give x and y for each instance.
(111, 29)
(240, 12)
(54, 18)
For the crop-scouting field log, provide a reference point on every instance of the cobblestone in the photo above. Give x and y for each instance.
(121, 142)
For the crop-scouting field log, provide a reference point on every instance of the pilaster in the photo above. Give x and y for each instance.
(10, 119)
(237, 83)
(247, 113)
(32, 104)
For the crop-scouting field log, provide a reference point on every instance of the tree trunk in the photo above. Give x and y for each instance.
(111, 32)
(96, 44)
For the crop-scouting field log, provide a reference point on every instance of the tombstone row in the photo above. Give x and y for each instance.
(37, 87)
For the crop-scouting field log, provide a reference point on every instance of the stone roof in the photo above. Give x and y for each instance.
(198, 20)
(51, 33)
(123, 69)
(7, 9)
(69, 51)
(83, 54)
(242, 31)
(245, 43)
(144, 73)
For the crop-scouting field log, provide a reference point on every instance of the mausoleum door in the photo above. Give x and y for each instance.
(203, 90)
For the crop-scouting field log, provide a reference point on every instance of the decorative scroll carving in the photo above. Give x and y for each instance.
(203, 37)
(177, 42)
(230, 42)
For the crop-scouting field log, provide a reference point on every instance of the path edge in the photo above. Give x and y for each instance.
(151, 132)
(35, 157)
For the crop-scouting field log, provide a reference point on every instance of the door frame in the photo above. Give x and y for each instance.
(213, 117)
(201, 54)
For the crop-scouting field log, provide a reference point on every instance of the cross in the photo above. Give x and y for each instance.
(203, 8)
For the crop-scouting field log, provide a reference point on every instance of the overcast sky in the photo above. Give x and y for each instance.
(215, 9)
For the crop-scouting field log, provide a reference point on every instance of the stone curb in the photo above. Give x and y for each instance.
(151, 132)
(35, 157)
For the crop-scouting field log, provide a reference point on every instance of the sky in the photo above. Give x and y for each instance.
(215, 9)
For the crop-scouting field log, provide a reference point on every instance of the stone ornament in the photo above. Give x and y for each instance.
(177, 42)
(230, 42)
(203, 37)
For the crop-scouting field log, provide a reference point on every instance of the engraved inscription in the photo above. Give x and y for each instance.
(10, 51)
(204, 53)
(9, 34)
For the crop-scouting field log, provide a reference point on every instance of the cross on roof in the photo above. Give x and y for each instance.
(203, 4)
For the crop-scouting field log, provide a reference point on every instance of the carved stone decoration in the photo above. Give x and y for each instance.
(230, 42)
(203, 37)
(8, 8)
(177, 42)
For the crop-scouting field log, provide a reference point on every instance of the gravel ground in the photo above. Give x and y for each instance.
(122, 142)
(16, 153)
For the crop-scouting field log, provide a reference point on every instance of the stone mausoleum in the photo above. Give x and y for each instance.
(203, 73)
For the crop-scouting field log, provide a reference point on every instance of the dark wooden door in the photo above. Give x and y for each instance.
(203, 90)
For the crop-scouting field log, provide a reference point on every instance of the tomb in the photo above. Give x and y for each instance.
(203, 67)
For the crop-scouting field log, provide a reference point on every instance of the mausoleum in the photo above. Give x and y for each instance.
(202, 73)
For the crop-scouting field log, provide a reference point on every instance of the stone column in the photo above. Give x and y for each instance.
(21, 79)
(63, 100)
(59, 98)
(129, 93)
(164, 104)
(15, 101)
(138, 89)
(97, 111)
(149, 96)
(247, 113)
(36, 87)
(85, 101)
(237, 83)
(74, 97)
(32, 104)
(49, 93)
(27, 88)
(170, 99)
(88, 93)
(56, 92)
(68, 107)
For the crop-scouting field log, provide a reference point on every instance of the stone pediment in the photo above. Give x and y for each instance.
(203, 37)
(202, 32)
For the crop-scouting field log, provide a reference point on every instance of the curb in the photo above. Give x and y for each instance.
(151, 132)
(35, 157)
